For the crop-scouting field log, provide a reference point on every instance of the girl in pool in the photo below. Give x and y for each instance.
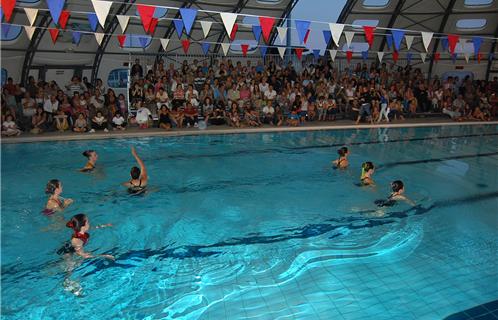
(342, 162)
(398, 188)
(367, 170)
(92, 157)
(55, 202)
(139, 177)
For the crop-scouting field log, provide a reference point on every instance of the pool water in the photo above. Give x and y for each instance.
(258, 226)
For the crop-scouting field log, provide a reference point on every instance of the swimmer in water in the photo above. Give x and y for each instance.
(367, 170)
(342, 162)
(398, 188)
(138, 182)
(55, 202)
(92, 157)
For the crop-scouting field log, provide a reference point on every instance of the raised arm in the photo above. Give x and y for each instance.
(143, 170)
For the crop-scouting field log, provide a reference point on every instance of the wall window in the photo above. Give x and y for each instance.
(10, 32)
(235, 45)
(4, 76)
(375, 3)
(471, 24)
(477, 3)
(117, 78)
(136, 40)
(356, 47)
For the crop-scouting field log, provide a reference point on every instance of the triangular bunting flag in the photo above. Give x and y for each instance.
(63, 19)
(93, 20)
(453, 57)
(205, 47)
(76, 37)
(244, 48)
(316, 53)
(101, 10)
(364, 55)
(179, 27)
(409, 57)
(153, 25)
(146, 13)
(395, 56)
(333, 54)
(263, 50)
(437, 56)
(234, 31)
(206, 27)
(144, 41)
(426, 39)
(266, 24)
(55, 7)
(380, 55)
(327, 36)
(185, 45)
(467, 56)
(164, 43)
(479, 57)
(491, 56)
(389, 41)
(452, 41)
(281, 51)
(99, 37)
(123, 22)
(8, 8)
(282, 33)
(29, 31)
(444, 43)
(256, 30)
(121, 39)
(477, 41)
(299, 52)
(53, 34)
(31, 14)
(423, 56)
(369, 34)
(188, 17)
(225, 47)
(307, 36)
(336, 31)
(409, 41)
(228, 19)
(398, 36)
(349, 37)
(349, 55)
(302, 27)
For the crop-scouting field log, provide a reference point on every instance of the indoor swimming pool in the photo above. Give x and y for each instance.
(258, 226)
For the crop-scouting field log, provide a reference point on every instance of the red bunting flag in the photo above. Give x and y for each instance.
(121, 39)
(63, 19)
(299, 52)
(266, 24)
(234, 31)
(306, 36)
(452, 42)
(153, 25)
(437, 56)
(369, 34)
(145, 13)
(185, 45)
(54, 33)
(8, 8)
(479, 57)
(395, 56)
(349, 55)
(244, 48)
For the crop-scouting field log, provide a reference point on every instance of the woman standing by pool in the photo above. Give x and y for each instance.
(139, 177)
(55, 202)
(92, 157)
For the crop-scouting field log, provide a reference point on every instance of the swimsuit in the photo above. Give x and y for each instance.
(49, 212)
(68, 247)
(89, 167)
(389, 202)
(136, 189)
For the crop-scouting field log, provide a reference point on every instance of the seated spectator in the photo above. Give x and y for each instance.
(121, 104)
(270, 95)
(161, 98)
(143, 116)
(50, 107)
(396, 110)
(178, 96)
(99, 122)
(38, 121)
(61, 122)
(28, 105)
(80, 124)
(207, 109)
(177, 116)
(218, 117)
(233, 116)
(332, 109)
(118, 122)
(9, 127)
(269, 114)
(252, 117)
(321, 108)
(191, 115)
(164, 119)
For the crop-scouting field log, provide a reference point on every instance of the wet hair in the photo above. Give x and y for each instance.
(135, 172)
(77, 222)
(366, 166)
(397, 185)
(342, 151)
(52, 185)
(88, 153)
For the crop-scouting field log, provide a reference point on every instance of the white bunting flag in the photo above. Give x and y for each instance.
(467, 56)
(31, 14)
(225, 47)
(99, 37)
(349, 37)
(164, 43)
(282, 33)
(228, 19)
(101, 10)
(380, 55)
(281, 51)
(426, 39)
(409, 41)
(423, 55)
(333, 54)
(206, 27)
(123, 22)
(336, 31)
(29, 31)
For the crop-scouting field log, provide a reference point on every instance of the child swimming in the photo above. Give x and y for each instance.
(139, 177)
(342, 162)
(92, 157)
(55, 202)
(367, 170)
(398, 188)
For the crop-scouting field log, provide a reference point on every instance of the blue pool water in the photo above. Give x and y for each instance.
(258, 226)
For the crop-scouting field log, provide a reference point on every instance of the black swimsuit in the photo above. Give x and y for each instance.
(68, 246)
(136, 189)
(389, 202)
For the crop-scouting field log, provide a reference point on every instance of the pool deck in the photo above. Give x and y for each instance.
(135, 132)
